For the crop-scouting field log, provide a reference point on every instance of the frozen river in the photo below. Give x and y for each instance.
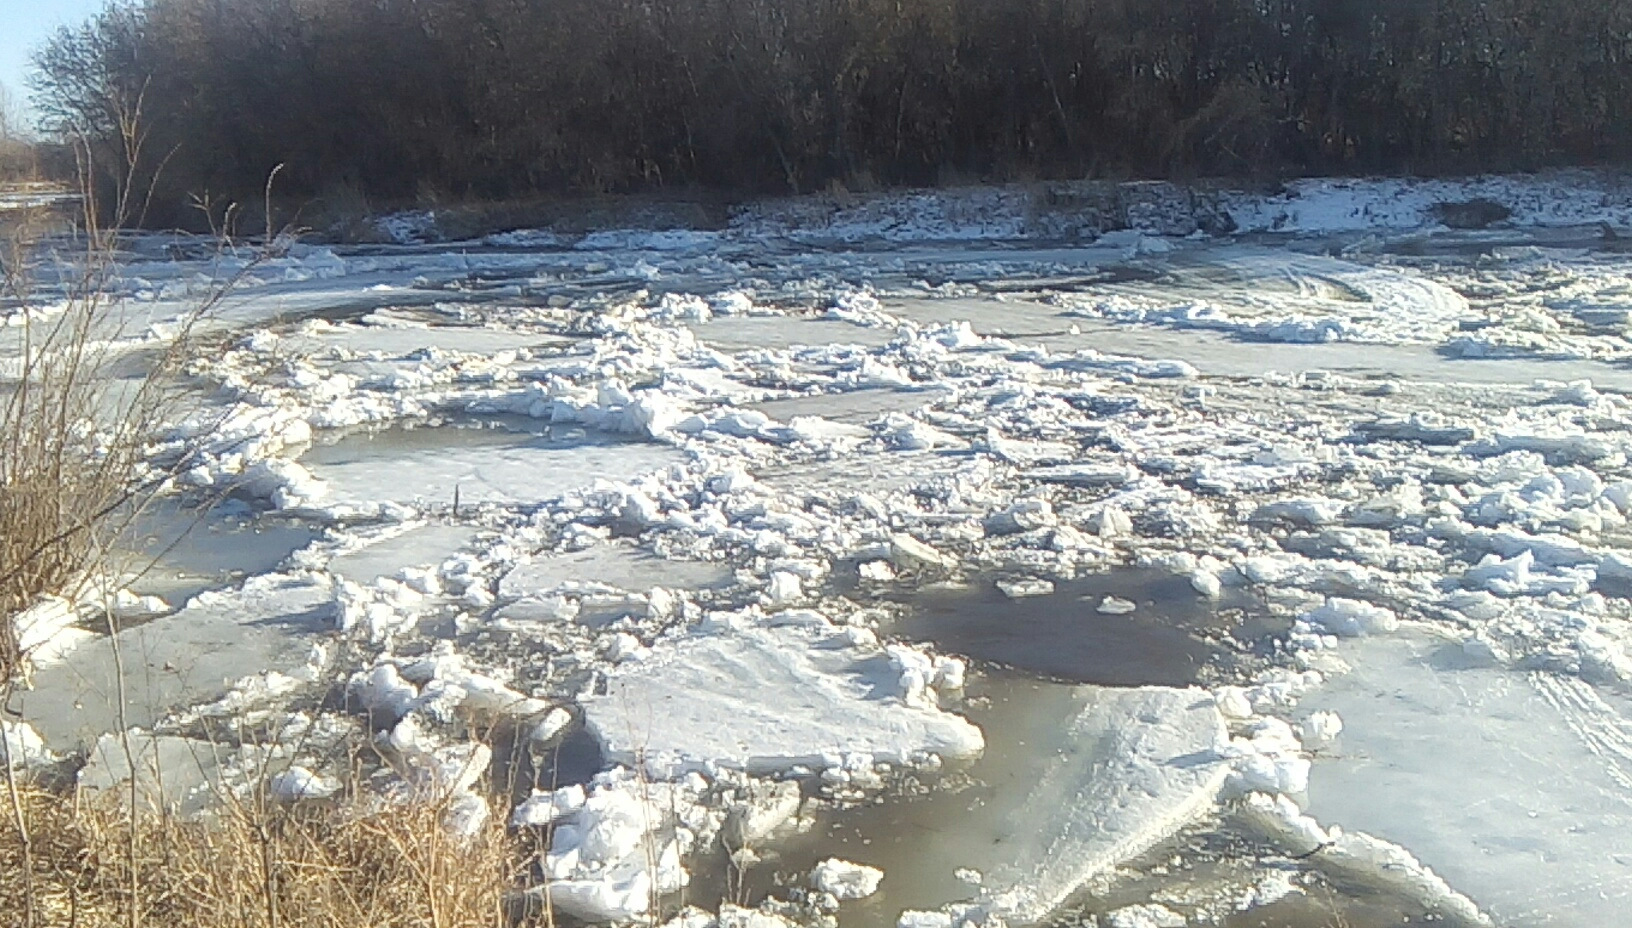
(1274, 578)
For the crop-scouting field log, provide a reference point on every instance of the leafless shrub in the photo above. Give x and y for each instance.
(76, 420)
(71, 439)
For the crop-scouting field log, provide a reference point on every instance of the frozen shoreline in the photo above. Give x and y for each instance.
(615, 502)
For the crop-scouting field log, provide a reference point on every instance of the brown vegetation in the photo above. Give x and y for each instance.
(92, 864)
(70, 447)
(74, 438)
(403, 100)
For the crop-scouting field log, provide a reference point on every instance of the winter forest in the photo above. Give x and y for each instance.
(395, 99)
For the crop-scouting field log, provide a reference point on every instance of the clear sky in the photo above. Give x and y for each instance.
(23, 25)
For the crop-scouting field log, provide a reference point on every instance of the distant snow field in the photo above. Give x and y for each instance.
(665, 501)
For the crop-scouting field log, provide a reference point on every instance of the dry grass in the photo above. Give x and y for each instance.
(90, 863)
(73, 436)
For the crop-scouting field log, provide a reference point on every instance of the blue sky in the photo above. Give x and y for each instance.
(24, 24)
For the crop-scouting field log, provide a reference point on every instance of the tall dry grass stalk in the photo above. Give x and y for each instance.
(254, 865)
(70, 441)
(81, 398)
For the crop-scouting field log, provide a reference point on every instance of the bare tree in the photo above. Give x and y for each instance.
(420, 99)
(11, 121)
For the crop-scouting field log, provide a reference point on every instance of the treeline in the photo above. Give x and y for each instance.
(17, 160)
(401, 99)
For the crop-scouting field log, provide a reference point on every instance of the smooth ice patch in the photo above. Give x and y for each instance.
(192, 656)
(379, 338)
(419, 546)
(183, 774)
(740, 333)
(1516, 788)
(363, 471)
(621, 565)
(178, 552)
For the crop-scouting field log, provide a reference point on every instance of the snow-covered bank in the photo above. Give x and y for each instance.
(1065, 210)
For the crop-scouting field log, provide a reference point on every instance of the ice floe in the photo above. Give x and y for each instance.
(768, 700)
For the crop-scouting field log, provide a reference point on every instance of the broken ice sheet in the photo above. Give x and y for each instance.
(946, 376)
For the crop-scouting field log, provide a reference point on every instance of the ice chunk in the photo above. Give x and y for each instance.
(550, 727)
(845, 880)
(1320, 730)
(1023, 516)
(765, 808)
(546, 808)
(913, 918)
(907, 551)
(1515, 577)
(876, 571)
(48, 630)
(1087, 475)
(1269, 759)
(1206, 583)
(766, 700)
(1351, 618)
(1115, 605)
(611, 857)
(299, 783)
(1416, 428)
(735, 916)
(626, 647)
(1304, 512)
(1278, 818)
(784, 588)
(21, 747)
(465, 814)
(383, 690)
(1020, 589)
(1233, 702)
(1088, 360)
(1150, 915)
(1110, 522)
